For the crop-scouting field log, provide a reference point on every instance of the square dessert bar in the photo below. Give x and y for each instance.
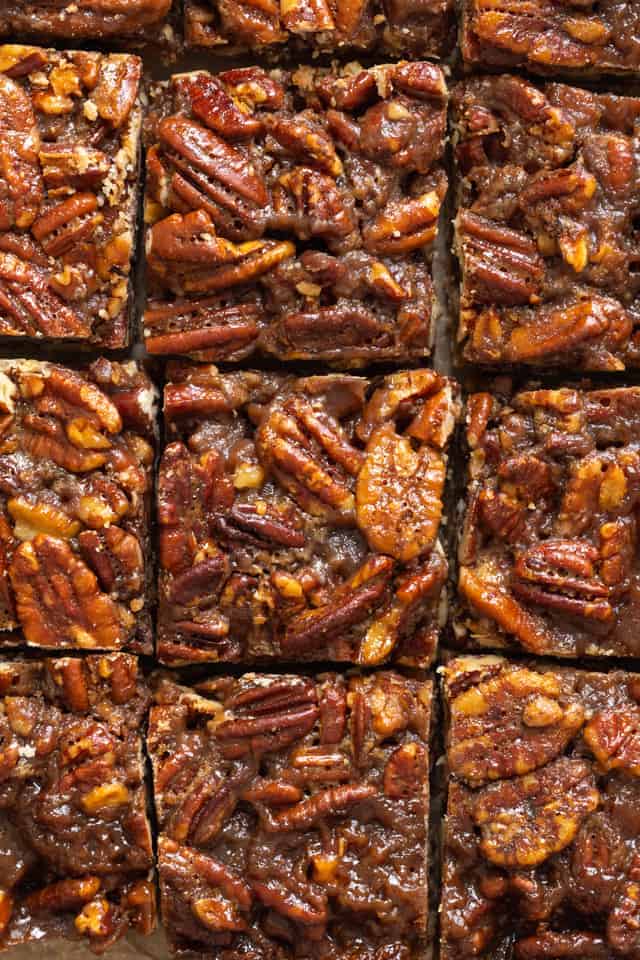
(76, 455)
(76, 857)
(105, 21)
(299, 518)
(69, 144)
(275, 28)
(553, 35)
(549, 549)
(541, 853)
(547, 230)
(293, 816)
(294, 214)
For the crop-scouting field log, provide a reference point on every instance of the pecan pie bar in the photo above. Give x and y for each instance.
(561, 36)
(399, 27)
(299, 517)
(294, 214)
(293, 816)
(105, 21)
(541, 852)
(547, 230)
(69, 144)
(75, 844)
(549, 549)
(76, 455)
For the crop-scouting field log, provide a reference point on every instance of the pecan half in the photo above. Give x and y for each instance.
(19, 142)
(212, 104)
(291, 903)
(491, 600)
(561, 576)
(572, 326)
(117, 83)
(67, 167)
(528, 709)
(267, 717)
(350, 604)
(68, 223)
(208, 330)
(404, 225)
(306, 813)
(185, 244)
(65, 894)
(598, 860)
(306, 141)
(212, 175)
(58, 598)
(500, 265)
(308, 452)
(31, 307)
(222, 897)
(403, 395)
(524, 821)
(399, 495)
(321, 208)
(614, 738)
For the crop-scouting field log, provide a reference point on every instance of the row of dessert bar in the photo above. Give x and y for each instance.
(292, 811)
(299, 517)
(295, 215)
(592, 38)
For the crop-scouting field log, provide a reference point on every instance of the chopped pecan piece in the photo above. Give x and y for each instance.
(58, 600)
(406, 771)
